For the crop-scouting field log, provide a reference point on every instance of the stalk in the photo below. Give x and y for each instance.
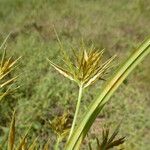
(76, 111)
(106, 92)
(57, 143)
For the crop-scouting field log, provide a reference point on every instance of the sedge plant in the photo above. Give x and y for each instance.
(24, 142)
(106, 92)
(7, 65)
(84, 69)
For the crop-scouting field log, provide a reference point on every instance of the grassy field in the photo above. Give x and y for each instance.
(116, 25)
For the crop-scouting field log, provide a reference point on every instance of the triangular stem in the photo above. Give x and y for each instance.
(76, 111)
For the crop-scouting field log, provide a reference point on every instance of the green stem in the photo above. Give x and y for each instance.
(57, 144)
(76, 111)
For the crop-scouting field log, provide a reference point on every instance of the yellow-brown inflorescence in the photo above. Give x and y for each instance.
(6, 66)
(85, 67)
(61, 125)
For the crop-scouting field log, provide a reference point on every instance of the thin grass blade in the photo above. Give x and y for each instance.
(11, 139)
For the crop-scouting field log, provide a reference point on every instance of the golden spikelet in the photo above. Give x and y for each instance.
(6, 66)
(61, 125)
(85, 67)
(108, 142)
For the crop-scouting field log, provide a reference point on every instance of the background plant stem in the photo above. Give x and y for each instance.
(77, 110)
(57, 143)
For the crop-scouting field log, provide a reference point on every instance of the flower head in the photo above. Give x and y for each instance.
(6, 67)
(61, 124)
(85, 67)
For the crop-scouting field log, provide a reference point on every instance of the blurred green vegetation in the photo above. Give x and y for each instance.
(116, 25)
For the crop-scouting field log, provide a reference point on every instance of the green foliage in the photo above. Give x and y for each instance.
(118, 26)
(106, 92)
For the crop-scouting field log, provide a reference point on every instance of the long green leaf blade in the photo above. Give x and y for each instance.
(107, 91)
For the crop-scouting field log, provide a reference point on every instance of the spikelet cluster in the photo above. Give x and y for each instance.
(6, 67)
(85, 66)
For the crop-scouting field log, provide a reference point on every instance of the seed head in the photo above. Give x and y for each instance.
(85, 67)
